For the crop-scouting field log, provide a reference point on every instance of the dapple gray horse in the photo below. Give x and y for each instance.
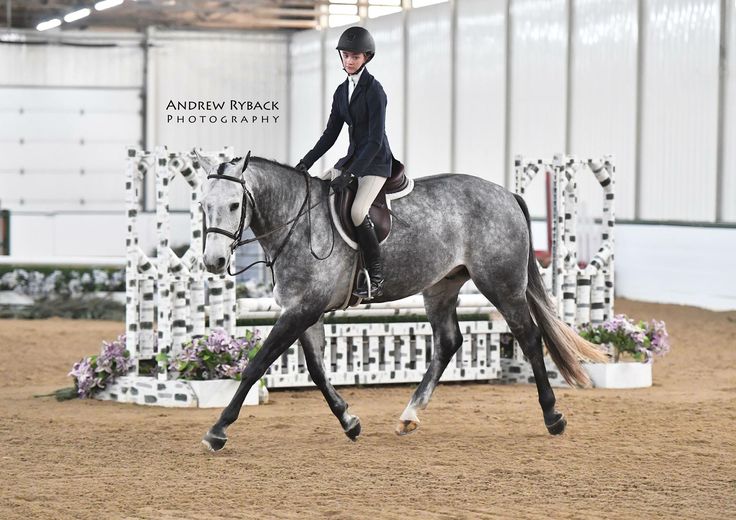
(453, 228)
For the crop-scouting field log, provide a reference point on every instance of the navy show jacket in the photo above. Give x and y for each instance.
(369, 152)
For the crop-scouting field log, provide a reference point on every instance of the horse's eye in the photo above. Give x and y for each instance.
(234, 206)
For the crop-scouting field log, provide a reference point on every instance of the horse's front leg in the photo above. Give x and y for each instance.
(313, 342)
(289, 326)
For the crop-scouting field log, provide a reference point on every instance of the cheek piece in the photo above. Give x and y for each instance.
(237, 235)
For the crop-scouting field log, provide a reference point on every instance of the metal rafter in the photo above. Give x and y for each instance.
(219, 14)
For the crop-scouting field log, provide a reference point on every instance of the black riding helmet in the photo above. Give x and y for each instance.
(356, 39)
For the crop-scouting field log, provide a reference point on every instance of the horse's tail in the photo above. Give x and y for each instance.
(564, 345)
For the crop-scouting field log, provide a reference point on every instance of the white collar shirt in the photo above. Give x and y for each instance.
(353, 80)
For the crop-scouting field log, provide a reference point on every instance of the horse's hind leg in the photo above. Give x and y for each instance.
(313, 341)
(513, 306)
(440, 302)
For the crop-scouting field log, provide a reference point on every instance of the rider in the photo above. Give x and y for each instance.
(361, 103)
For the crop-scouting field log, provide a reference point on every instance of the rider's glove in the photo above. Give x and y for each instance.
(341, 182)
(301, 167)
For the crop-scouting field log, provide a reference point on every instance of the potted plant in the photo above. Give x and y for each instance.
(210, 366)
(633, 346)
(213, 366)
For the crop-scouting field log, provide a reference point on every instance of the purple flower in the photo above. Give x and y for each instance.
(92, 373)
(640, 340)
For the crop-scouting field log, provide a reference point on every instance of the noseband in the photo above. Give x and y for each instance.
(236, 237)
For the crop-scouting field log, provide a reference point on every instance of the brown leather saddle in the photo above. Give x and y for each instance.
(379, 211)
(398, 184)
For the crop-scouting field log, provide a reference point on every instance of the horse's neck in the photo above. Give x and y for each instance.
(278, 194)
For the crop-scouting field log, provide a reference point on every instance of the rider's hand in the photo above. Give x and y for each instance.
(301, 167)
(341, 182)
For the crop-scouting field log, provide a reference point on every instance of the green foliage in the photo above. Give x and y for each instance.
(73, 307)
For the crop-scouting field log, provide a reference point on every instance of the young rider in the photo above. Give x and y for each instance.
(361, 103)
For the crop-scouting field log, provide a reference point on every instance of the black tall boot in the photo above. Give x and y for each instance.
(368, 242)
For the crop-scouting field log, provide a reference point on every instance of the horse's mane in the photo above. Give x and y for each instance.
(271, 162)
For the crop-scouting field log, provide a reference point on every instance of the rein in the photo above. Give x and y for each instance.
(237, 236)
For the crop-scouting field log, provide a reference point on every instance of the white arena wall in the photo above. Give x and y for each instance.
(686, 265)
(470, 84)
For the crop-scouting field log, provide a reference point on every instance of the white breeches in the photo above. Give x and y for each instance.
(368, 188)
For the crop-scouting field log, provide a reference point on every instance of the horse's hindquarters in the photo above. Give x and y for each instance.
(450, 221)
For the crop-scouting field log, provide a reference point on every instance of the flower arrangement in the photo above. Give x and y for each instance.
(639, 340)
(216, 356)
(92, 373)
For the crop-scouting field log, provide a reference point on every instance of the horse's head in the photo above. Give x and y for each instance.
(228, 209)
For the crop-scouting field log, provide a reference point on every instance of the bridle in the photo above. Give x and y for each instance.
(236, 237)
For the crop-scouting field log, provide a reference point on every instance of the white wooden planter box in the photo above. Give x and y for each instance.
(620, 375)
(217, 393)
(178, 393)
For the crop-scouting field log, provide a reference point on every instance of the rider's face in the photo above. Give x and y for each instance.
(352, 61)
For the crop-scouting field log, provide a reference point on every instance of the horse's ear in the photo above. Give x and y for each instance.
(240, 163)
(208, 164)
(245, 162)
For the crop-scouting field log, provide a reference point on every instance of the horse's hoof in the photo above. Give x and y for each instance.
(557, 427)
(213, 442)
(353, 429)
(406, 427)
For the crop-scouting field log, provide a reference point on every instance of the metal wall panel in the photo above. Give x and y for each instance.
(429, 91)
(603, 96)
(304, 111)
(388, 69)
(679, 119)
(222, 66)
(480, 80)
(728, 197)
(538, 85)
(64, 148)
(109, 60)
